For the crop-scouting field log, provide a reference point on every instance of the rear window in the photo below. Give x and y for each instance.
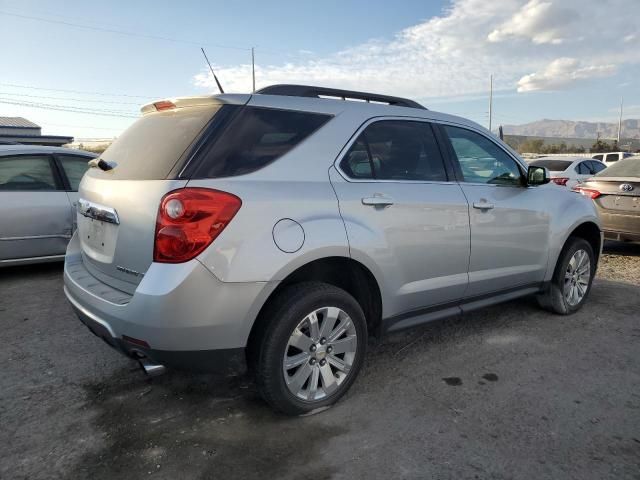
(254, 138)
(629, 167)
(553, 165)
(153, 145)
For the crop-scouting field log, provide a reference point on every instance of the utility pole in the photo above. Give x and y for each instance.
(490, 100)
(253, 68)
(620, 121)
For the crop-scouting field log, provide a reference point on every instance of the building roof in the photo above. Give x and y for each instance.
(17, 122)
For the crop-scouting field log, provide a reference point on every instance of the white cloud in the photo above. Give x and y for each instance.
(538, 21)
(562, 72)
(525, 44)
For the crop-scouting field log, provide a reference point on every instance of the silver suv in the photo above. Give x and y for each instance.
(282, 229)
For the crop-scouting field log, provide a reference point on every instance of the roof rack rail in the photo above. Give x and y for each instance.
(321, 92)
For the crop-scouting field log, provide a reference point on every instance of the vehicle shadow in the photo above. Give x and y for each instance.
(20, 271)
(621, 248)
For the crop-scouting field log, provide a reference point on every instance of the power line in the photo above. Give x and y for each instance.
(69, 99)
(47, 124)
(74, 107)
(122, 32)
(83, 92)
(64, 108)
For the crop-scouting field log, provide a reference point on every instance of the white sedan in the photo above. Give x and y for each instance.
(570, 171)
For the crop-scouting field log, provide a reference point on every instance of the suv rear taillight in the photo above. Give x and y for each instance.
(189, 220)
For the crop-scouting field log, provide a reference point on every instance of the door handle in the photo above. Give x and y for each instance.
(377, 201)
(483, 205)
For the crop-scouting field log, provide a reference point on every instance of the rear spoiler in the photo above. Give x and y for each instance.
(200, 101)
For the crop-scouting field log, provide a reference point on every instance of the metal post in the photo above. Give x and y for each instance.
(253, 68)
(490, 100)
(620, 121)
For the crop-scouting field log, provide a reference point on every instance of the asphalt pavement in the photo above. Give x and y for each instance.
(506, 392)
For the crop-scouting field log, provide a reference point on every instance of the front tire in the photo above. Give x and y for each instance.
(572, 278)
(312, 347)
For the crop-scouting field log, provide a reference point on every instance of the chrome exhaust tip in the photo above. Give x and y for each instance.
(152, 369)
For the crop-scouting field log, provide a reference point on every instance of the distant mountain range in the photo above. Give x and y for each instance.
(569, 128)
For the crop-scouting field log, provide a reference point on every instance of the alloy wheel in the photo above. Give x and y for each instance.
(576, 277)
(319, 354)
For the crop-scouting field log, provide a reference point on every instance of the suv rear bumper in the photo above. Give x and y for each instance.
(180, 315)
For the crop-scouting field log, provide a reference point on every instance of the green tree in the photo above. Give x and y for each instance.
(601, 146)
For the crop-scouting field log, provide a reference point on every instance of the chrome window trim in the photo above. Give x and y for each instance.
(32, 237)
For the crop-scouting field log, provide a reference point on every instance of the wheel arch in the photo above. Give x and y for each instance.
(342, 272)
(587, 230)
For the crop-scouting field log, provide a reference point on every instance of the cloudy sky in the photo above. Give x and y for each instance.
(84, 69)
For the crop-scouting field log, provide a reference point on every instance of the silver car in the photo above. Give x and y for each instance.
(38, 192)
(285, 227)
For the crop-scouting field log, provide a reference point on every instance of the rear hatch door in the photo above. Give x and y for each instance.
(117, 208)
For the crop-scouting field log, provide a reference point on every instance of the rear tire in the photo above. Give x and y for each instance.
(572, 278)
(311, 348)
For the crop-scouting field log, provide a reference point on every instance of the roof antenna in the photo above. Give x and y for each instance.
(212, 72)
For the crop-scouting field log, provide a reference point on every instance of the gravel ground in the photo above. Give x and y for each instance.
(506, 392)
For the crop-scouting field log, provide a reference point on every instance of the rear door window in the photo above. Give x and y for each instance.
(27, 173)
(584, 168)
(612, 157)
(598, 157)
(74, 167)
(597, 167)
(254, 138)
(395, 150)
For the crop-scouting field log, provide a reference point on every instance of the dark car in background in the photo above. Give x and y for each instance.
(616, 193)
(38, 196)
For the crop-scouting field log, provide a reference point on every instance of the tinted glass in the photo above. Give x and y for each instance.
(256, 137)
(612, 157)
(629, 167)
(356, 163)
(481, 160)
(597, 166)
(397, 150)
(153, 145)
(598, 157)
(27, 173)
(75, 167)
(552, 165)
(583, 168)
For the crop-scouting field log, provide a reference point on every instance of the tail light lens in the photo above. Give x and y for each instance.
(560, 180)
(589, 192)
(189, 220)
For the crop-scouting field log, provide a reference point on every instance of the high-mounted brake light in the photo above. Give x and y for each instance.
(188, 221)
(560, 180)
(164, 105)
(588, 192)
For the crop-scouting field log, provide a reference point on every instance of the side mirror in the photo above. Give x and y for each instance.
(537, 176)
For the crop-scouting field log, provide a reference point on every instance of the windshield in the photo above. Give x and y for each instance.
(629, 167)
(553, 165)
